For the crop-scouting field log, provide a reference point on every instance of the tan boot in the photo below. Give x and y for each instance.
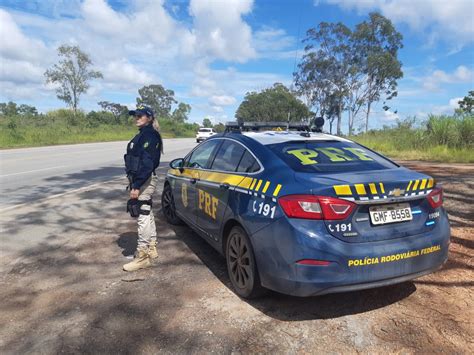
(152, 252)
(141, 261)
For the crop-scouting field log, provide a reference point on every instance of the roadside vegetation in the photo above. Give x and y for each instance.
(439, 138)
(29, 129)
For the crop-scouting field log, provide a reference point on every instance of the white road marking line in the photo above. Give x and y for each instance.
(60, 195)
(33, 171)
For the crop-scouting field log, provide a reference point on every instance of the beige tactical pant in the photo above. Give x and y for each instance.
(146, 222)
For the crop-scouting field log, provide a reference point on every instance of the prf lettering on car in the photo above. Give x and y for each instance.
(309, 156)
(208, 203)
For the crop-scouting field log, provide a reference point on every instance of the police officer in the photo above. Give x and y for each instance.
(142, 158)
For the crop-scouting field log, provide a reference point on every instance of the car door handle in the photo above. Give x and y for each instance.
(224, 186)
(193, 181)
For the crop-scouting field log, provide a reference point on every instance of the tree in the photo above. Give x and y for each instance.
(116, 109)
(466, 105)
(377, 42)
(8, 109)
(72, 73)
(325, 67)
(158, 98)
(181, 113)
(219, 127)
(27, 110)
(207, 123)
(272, 104)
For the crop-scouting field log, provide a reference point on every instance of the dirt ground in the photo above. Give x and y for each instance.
(69, 295)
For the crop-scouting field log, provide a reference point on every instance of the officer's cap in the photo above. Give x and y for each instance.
(142, 110)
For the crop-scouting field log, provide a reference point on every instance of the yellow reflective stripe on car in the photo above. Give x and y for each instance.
(342, 190)
(430, 183)
(221, 178)
(409, 184)
(415, 186)
(360, 188)
(423, 184)
(265, 188)
(258, 185)
(253, 184)
(382, 189)
(277, 190)
(373, 189)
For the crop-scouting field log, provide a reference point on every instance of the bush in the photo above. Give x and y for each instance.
(444, 138)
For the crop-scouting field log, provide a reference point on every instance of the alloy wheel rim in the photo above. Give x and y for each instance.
(168, 204)
(239, 260)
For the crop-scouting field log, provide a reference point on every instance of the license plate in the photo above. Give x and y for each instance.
(390, 213)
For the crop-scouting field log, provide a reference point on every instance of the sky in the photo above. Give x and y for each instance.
(212, 52)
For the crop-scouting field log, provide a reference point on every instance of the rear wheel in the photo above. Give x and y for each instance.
(241, 265)
(168, 206)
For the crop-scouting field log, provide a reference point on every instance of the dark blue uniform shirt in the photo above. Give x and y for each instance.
(145, 148)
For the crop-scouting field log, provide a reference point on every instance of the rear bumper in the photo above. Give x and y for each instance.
(353, 266)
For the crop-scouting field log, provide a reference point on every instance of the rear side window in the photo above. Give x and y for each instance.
(228, 156)
(248, 164)
(329, 157)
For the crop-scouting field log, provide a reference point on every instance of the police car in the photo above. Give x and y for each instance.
(306, 213)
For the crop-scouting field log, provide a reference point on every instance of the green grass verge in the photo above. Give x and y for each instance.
(438, 153)
(27, 136)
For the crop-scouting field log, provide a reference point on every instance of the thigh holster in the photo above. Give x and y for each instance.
(136, 207)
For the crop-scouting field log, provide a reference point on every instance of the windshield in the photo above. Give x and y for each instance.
(329, 157)
(205, 130)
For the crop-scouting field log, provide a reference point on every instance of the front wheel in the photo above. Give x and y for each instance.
(168, 206)
(241, 265)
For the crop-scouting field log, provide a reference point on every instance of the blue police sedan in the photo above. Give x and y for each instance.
(307, 213)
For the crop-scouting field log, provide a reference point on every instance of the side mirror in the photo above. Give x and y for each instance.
(177, 164)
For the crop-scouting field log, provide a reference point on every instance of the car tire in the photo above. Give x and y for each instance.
(241, 265)
(168, 207)
(197, 140)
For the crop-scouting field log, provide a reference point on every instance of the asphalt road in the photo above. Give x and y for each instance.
(31, 174)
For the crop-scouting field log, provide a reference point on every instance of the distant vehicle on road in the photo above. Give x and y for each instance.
(306, 213)
(204, 133)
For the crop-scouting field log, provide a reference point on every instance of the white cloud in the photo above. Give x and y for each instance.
(124, 73)
(139, 45)
(446, 109)
(222, 100)
(274, 43)
(462, 74)
(14, 44)
(449, 20)
(220, 29)
(390, 116)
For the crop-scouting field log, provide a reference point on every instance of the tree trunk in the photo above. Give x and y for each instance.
(350, 123)
(339, 119)
(367, 117)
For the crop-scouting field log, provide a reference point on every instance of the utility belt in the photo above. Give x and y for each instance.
(134, 207)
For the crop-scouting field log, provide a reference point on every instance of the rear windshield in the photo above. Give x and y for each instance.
(204, 130)
(329, 157)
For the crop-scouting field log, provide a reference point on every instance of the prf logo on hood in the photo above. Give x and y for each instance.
(396, 192)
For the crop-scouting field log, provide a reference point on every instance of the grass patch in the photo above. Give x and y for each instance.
(447, 139)
(61, 127)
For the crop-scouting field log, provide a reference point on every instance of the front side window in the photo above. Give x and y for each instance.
(200, 157)
(228, 157)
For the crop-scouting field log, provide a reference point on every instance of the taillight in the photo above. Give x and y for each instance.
(316, 207)
(435, 198)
